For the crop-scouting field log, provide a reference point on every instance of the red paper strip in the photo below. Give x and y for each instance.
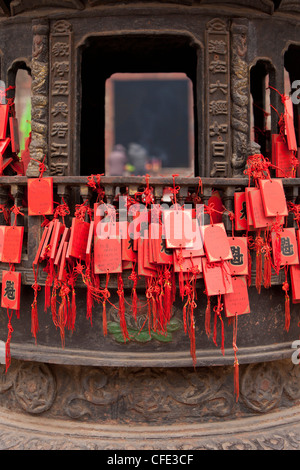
(40, 196)
(237, 303)
(11, 290)
(240, 211)
(12, 244)
(216, 243)
(289, 247)
(4, 108)
(273, 197)
(217, 277)
(239, 263)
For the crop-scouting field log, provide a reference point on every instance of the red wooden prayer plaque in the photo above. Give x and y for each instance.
(284, 161)
(217, 277)
(197, 249)
(4, 144)
(240, 211)
(164, 255)
(289, 246)
(259, 218)
(58, 231)
(40, 196)
(186, 264)
(295, 281)
(107, 255)
(250, 225)
(273, 197)
(46, 246)
(64, 239)
(11, 290)
(239, 262)
(216, 242)
(14, 134)
(276, 138)
(142, 269)
(78, 242)
(12, 244)
(62, 264)
(289, 124)
(178, 228)
(4, 108)
(2, 231)
(128, 254)
(146, 251)
(237, 303)
(88, 250)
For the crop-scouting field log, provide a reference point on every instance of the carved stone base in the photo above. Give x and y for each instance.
(150, 408)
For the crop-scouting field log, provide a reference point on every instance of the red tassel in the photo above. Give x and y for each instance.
(167, 304)
(56, 285)
(7, 344)
(267, 266)
(134, 298)
(73, 310)
(63, 311)
(218, 309)
(122, 307)
(286, 287)
(207, 317)
(236, 379)
(34, 310)
(106, 295)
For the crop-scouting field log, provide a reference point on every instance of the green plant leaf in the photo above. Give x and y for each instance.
(113, 327)
(164, 338)
(142, 337)
(174, 325)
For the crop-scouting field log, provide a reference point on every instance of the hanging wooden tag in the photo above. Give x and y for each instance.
(273, 197)
(126, 265)
(62, 264)
(11, 290)
(58, 233)
(295, 281)
(178, 228)
(2, 230)
(284, 160)
(4, 108)
(239, 263)
(164, 255)
(128, 254)
(240, 211)
(216, 200)
(12, 244)
(216, 243)
(14, 134)
(64, 239)
(217, 277)
(40, 247)
(146, 250)
(3, 145)
(197, 249)
(237, 303)
(250, 226)
(78, 240)
(88, 250)
(186, 264)
(107, 255)
(46, 245)
(257, 210)
(289, 247)
(142, 269)
(289, 124)
(40, 196)
(276, 138)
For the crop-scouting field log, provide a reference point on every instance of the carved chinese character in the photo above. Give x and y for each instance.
(213, 87)
(217, 47)
(61, 49)
(60, 68)
(216, 129)
(218, 107)
(60, 88)
(218, 66)
(219, 149)
(60, 129)
(57, 150)
(60, 108)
